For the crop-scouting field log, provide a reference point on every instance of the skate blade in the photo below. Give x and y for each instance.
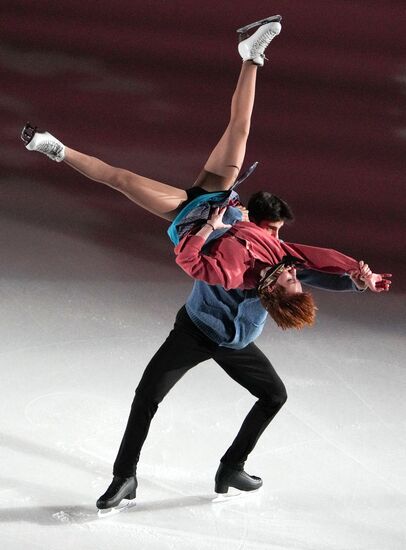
(224, 497)
(244, 176)
(122, 507)
(271, 19)
(234, 494)
(28, 132)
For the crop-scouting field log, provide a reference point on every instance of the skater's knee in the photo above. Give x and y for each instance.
(145, 401)
(276, 398)
(282, 396)
(119, 179)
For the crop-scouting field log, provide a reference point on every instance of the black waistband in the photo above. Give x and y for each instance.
(192, 193)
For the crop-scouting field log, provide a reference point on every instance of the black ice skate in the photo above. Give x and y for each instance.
(227, 477)
(119, 489)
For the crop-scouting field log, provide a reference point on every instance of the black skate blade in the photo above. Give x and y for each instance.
(272, 18)
(28, 132)
(244, 176)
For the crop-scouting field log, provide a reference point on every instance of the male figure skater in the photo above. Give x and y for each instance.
(220, 325)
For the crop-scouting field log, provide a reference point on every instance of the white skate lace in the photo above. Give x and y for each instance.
(262, 42)
(50, 148)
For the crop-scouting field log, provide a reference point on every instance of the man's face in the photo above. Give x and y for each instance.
(271, 226)
(287, 279)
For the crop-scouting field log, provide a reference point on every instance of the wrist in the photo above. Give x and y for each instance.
(205, 231)
(211, 225)
(358, 281)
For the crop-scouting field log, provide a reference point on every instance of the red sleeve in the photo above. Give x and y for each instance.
(323, 259)
(225, 264)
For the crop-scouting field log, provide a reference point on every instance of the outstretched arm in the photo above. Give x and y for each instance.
(332, 282)
(377, 282)
(226, 267)
(329, 260)
(348, 282)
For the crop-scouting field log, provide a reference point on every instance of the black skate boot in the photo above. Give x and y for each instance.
(119, 488)
(227, 477)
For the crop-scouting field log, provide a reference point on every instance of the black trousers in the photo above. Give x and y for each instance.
(185, 347)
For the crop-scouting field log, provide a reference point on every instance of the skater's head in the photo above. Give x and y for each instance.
(269, 212)
(285, 301)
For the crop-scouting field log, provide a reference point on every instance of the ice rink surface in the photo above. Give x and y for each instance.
(80, 318)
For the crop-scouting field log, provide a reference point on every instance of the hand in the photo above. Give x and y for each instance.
(244, 212)
(364, 278)
(216, 218)
(358, 275)
(379, 282)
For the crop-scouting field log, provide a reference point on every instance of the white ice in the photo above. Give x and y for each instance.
(83, 309)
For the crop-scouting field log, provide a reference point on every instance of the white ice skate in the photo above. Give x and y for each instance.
(253, 47)
(43, 142)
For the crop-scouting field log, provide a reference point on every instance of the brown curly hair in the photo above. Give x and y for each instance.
(288, 310)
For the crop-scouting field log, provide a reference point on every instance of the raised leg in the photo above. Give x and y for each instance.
(156, 197)
(225, 161)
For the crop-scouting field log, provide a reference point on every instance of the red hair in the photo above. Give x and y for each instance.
(288, 310)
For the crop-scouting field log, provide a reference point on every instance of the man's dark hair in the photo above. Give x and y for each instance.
(265, 206)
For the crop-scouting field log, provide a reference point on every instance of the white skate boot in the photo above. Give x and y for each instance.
(253, 47)
(43, 142)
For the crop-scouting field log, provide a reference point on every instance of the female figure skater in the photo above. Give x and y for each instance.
(244, 362)
(224, 163)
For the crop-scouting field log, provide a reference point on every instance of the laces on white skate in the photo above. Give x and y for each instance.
(263, 41)
(51, 149)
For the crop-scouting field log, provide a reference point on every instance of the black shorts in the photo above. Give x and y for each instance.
(194, 192)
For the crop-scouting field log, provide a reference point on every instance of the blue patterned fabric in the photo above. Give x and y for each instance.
(197, 212)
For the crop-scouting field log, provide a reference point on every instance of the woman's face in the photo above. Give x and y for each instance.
(287, 279)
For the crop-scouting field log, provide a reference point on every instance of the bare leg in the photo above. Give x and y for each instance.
(219, 173)
(156, 197)
(225, 161)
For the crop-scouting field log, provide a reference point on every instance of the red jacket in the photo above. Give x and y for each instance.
(236, 259)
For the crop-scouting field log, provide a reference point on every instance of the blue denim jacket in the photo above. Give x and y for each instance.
(235, 318)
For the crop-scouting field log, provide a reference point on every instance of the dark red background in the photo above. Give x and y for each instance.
(147, 86)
